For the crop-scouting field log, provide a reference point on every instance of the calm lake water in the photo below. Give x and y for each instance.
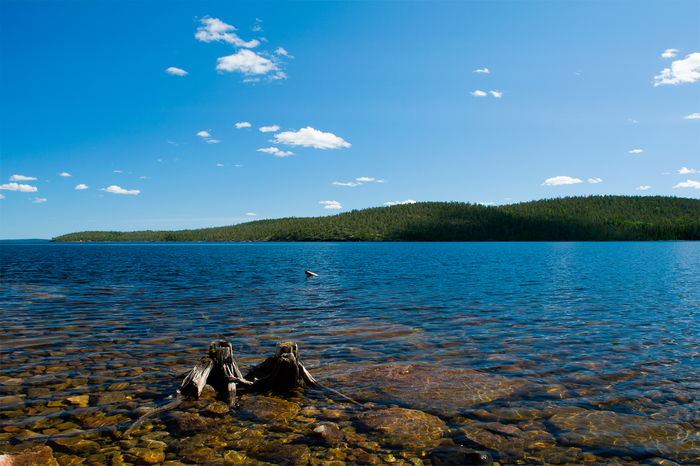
(531, 353)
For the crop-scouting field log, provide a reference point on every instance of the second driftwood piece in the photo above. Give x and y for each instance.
(283, 371)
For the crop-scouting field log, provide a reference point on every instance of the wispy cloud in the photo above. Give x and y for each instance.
(559, 180)
(176, 71)
(368, 179)
(633, 121)
(643, 188)
(117, 190)
(118, 171)
(309, 137)
(276, 152)
(64, 174)
(251, 213)
(669, 53)
(81, 186)
(478, 93)
(684, 171)
(173, 143)
(21, 178)
(407, 201)
(250, 64)
(219, 164)
(144, 177)
(692, 116)
(688, 184)
(204, 134)
(269, 129)
(594, 180)
(485, 70)
(39, 200)
(331, 205)
(2, 197)
(497, 94)
(681, 71)
(337, 183)
(214, 29)
(257, 28)
(281, 51)
(238, 166)
(212, 141)
(243, 124)
(23, 188)
(486, 203)
(636, 151)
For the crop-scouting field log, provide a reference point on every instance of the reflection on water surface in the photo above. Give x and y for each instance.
(459, 353)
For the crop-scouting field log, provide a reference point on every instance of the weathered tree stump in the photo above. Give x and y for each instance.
(283, 371)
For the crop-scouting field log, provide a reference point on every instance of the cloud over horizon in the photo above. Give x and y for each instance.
(331, 205)
(407, 201)
(594, 180)
(643, 188)
(309, 137)
(560, 180)
(688, 184)
(81, 186)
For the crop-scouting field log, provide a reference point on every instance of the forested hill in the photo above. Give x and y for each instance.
(594, 218)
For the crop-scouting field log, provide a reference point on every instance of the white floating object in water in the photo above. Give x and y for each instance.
(311, 274)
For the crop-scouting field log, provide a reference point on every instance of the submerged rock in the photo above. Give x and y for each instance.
(268, 409)
(626, 434)
(36, 456)
(404, 428)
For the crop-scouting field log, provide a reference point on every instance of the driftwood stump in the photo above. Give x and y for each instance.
(283, 371)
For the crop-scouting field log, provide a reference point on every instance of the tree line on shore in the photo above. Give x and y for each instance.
(592, 218)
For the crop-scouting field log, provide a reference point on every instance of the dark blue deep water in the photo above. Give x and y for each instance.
(575, 323)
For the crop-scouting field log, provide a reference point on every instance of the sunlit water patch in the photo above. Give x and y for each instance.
(456, 353)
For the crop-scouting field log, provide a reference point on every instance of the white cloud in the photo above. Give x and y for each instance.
(2, 197)
(21, 178)
(176, 71)
(23, 188)
(559, 180)
(39, 200)
(281, 51)
(269, 129)
(688, 184)
(65, 174)
(243, 124)
(276, 152)
(251, 213)
(257, 28)
(331, 205)
(145, 178)
(204, 134)
(479, 93)
(485, 70)
(407, 201)
(81, 186)
(486, 203)
(238, 165)
(692, 116)
(219, 164)
(118, 171)
(594, 180)
(246, 62)
(309, 137)
(212, 141)
(216, 30)
(364, 178)
(336, 183)
(636, 151)
(497, 94)
(117, 190)
(669, 53)
(173, 143)
(643, 188)
(681, 71)
(684, 170)
(633, 121)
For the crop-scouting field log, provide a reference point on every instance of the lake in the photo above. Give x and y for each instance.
(457, 353)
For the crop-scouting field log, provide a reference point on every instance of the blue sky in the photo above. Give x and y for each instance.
(177, 115)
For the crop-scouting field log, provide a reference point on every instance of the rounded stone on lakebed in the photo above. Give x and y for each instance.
(405, 428)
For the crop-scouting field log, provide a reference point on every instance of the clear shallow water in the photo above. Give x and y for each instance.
(555, 327)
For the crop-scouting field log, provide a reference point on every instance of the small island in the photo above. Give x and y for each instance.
(591, 218)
